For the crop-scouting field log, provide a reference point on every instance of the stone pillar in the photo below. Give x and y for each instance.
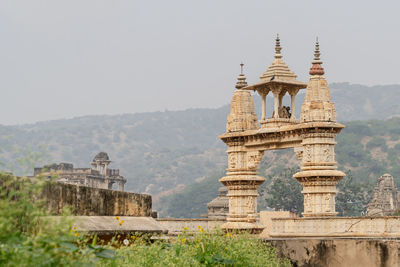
(242, 183)
(292, 106)
(280, 100)
(121, 186)
(293, 94)
(276, 92)
(264, 106)
(318, 174)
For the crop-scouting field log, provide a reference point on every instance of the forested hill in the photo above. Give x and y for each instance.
(365, 150)
(162, 152)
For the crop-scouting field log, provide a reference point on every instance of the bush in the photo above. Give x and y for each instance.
(29, 238)
(202, 249)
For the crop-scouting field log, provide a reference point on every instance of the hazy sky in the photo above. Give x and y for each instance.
(60, 59)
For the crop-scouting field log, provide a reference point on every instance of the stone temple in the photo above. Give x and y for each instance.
(99, 176)
(386, 199)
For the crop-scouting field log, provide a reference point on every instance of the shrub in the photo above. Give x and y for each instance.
(202, 249)
(29, 238)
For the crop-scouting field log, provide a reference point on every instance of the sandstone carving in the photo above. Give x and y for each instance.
(386, 197)
(312, 137)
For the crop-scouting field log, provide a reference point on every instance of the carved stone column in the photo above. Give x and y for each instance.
(276, 91)
(318, 174)
(264, 106)
(242, 182)
(293, 94)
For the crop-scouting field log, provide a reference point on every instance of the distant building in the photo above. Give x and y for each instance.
(218, 208)
(99, 176)
(386, 199)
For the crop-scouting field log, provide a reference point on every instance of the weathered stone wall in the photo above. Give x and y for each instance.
(88, 201)
(339, 252)
(266, 220)
(325, 227)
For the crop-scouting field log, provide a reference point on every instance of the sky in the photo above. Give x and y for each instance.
(63, 59)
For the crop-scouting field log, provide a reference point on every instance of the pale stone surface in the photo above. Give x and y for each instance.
(336, 227)
(99, 176)
(266, 220)
(111, 224)
(312, 138)
(386, 197)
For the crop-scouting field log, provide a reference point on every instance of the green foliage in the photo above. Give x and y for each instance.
(284, 192)
(192, 201)
(202, 249)
(353, 197)
(29, 238)
(377, 141)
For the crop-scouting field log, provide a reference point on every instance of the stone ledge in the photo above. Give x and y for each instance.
(110, 225)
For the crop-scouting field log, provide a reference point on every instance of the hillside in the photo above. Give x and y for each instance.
(365, 150)
(162, 152)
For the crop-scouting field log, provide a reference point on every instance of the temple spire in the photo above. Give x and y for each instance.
(278, 47)
(316, 68)
(241, 78)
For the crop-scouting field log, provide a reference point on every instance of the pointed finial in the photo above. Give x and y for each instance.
(241, 79)
(317, 54)
(316, 68)
(278, 47)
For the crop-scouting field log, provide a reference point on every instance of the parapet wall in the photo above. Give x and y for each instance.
(89, 201)
(325, 227)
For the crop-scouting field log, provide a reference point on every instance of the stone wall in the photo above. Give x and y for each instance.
(339, 252)
(88, 201)
(266, 220)
(325, 227)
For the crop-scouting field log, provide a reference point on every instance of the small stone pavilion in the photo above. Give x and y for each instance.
(99, 176)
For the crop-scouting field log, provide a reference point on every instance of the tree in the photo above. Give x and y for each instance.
(284, 193)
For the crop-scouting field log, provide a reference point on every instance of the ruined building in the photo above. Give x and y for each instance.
(99, 176)
(386, 199)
